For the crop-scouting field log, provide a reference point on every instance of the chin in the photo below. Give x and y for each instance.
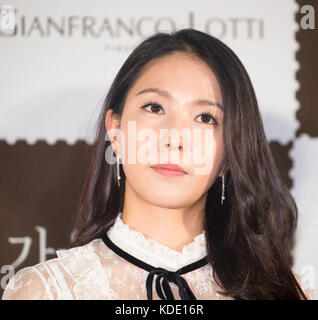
(167, 200)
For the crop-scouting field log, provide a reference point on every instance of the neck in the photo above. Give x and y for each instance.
(172, 227)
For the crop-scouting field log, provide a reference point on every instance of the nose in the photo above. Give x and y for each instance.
(173, 138)
(174, 149)
(180, 147)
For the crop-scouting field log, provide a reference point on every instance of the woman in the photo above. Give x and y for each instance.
(218, 223)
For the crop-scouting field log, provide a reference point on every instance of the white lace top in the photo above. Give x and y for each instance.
(96, 271)
(118, 267)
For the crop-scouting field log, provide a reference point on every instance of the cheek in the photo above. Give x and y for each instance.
(208, 152)
(139, 144)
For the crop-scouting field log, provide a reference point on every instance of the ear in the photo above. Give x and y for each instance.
(112, 121)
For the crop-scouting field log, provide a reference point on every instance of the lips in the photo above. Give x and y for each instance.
(169, 169)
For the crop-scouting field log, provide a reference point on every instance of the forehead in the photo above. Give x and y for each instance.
(183, 76)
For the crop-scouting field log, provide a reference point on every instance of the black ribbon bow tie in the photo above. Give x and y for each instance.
(164, 292)
(168, 276)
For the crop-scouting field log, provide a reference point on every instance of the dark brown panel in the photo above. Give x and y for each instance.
(307, 75)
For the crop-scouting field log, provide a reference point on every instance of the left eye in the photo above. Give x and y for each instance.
(206, 118)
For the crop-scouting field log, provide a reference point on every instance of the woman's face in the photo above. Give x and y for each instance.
(195, 131)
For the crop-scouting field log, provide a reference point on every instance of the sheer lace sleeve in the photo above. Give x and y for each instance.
(27, 284)
(308, 292)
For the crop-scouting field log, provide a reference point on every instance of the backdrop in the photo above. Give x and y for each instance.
(58, 60)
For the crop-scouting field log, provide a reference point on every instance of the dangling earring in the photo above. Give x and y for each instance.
(223, 189)
(118, 171)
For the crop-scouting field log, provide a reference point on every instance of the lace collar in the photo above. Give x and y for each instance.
(153, 252)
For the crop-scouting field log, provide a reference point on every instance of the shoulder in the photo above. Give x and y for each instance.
(79, 251)
(29, 283)
(307, 291)
(44, 281)
(76, 259)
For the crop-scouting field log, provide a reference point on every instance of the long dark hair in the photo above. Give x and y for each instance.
(249, 238)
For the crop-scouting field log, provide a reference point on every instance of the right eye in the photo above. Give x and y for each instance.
(154, 107)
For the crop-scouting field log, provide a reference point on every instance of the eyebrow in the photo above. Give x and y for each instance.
(168, 95)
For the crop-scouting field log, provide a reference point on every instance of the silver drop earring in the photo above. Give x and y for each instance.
(223, 189)
(118, 171)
